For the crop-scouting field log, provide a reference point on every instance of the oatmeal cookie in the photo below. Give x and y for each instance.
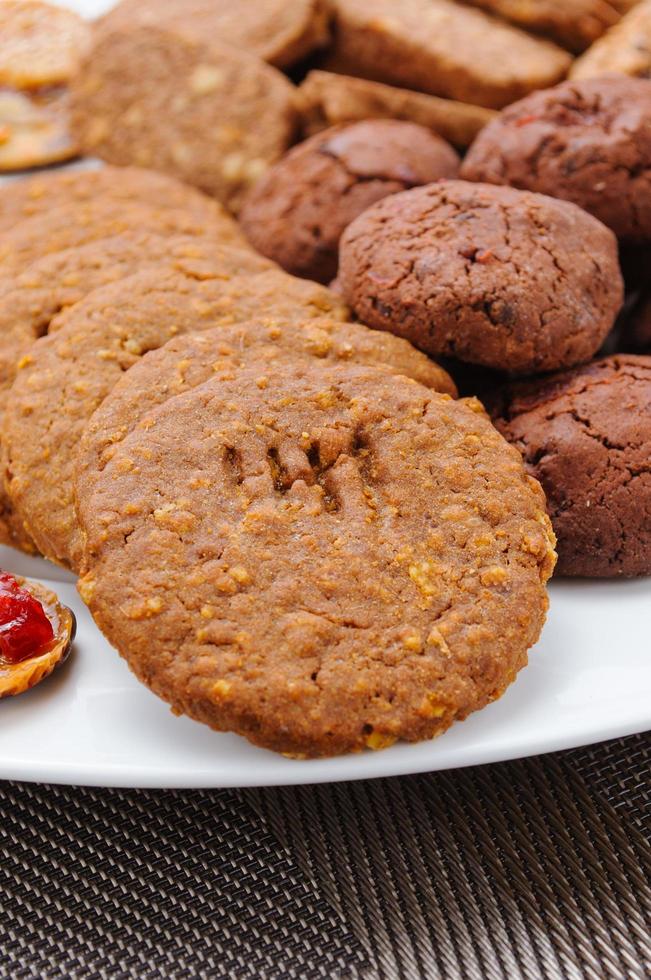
(586, 435)
(66, 375)
(43, 192)
(279, 32)
(333, 559)
(191, 359)
(574, 24)
(491, 275)
(212, 115)
(72, 225)
(327, 99)
(444, 48)
(586, 141)
(296, 213)
(34, 129)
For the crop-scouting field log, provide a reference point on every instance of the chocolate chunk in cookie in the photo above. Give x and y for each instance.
(586, 435)
(296, 213)
(495, 276)
(318, 558)
(586, 141)
(212, 115)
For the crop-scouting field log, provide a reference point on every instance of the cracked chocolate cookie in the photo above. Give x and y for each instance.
(318, 558)
(210, 114)
(586, 435)
(491, 275)
(189, 360)
(36, 195)
(584, 141)
(65, 377)
(279, 32)
(296, 213)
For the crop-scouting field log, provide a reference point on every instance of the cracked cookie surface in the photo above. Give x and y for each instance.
(490, 275)
(296, 213)
(586, 436)
(332, 559)
(584, 141)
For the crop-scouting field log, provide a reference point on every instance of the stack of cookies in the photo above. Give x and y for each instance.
(281, 513)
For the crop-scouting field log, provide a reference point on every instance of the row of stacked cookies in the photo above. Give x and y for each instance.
(285, 521)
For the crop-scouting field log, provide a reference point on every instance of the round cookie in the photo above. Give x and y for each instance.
(66, 375)
(40, 44)
(36, 195)
(32, 303)
(191, 359)
(72, 225)
(213, 115)
(490, 275)
(278, 32)
(336, 559)
(296, 213)
(586, 435)
(584, 141)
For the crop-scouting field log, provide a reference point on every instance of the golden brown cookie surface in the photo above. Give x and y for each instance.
(40, 43)
(328, 559)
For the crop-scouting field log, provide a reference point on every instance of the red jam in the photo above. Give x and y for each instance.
(25, 630)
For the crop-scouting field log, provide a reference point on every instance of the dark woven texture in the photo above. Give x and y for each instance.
(538, 868)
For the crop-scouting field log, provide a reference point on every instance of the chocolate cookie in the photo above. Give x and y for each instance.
(445, 49)
(67, 374)
(34, 129)
(189, 360)
(72, 225)
(36, 195)
(213, 115)
(40, 43)
(331, 559)
(490, 275)
(296, 213)
(278, 32)
(586, 435)
(574, 24)
(587, 141)
(624, 50)
(327, 99)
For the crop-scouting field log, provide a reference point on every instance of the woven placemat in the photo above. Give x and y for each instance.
(538, 868)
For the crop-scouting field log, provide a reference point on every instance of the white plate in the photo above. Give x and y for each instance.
(92, 723)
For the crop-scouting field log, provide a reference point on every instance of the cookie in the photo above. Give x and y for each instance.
(574, 24)
(491, 275)
(327, 99)
(212, 115)
(278, 32)
(191, 359)
(66, 375)
(296, 213)
(36, 195)
(40, 43)
(348, 557)
(72, 225)
(34, 129)
(32, 303)
(586, 435)
(584, 141)
(444, 48)
(625, 49)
